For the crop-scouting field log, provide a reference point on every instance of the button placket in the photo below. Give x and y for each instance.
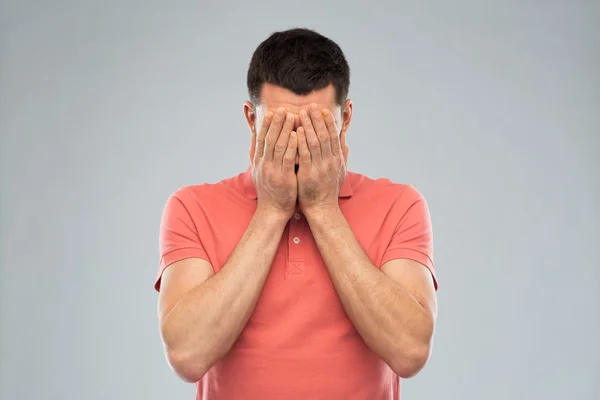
(295, 265)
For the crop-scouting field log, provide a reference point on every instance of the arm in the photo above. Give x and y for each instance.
(201, 315)
(393, 309)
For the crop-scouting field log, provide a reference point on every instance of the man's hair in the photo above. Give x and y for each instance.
(300, 60)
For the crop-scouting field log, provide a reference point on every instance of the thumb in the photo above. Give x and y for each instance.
(252, 149)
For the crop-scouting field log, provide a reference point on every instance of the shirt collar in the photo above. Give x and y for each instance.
(345, 190)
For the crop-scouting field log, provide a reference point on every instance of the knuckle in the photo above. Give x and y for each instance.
(267, 164)
(313, 143)
(279, 147)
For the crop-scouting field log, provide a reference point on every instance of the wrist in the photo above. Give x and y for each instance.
(322, 212)
(271, 217)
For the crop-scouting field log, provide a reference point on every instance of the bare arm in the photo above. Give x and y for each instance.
(394, 311)
(394, 308)
(202, 314)
(201, 318)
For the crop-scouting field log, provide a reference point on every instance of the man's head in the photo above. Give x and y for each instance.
(293, 69)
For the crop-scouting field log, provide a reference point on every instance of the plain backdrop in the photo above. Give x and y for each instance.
(490, 109)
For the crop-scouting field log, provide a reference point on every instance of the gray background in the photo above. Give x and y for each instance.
(492, 110)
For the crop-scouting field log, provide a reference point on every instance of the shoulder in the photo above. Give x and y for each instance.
(203, 192)
(384, 188)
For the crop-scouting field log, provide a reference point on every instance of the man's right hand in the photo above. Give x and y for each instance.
(202, 313)
(273, 169)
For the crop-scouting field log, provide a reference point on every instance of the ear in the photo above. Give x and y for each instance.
(250, 115)
(346, 119)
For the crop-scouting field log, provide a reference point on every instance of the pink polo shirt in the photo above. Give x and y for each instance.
(299, 343)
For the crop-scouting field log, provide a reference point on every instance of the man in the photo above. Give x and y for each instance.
(297, 279)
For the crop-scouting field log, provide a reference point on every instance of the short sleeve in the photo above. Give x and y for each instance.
(178, 237)
(412, 238)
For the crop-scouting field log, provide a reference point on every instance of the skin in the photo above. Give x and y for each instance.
(201, 314)
(274, 97)
(299, 157)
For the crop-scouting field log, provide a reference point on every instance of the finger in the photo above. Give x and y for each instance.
(320, 129)
(260, 140)
(334, 139)
(289, 158)
(284, 137)
(273, 133)
(304, 156)
(311, 137)
(252, 149)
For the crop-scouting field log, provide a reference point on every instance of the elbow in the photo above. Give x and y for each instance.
(188, 369)
(190, 366)
(409, 364)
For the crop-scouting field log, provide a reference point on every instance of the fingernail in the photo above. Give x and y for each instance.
(280, 111)
(303, 113)
(314, 107)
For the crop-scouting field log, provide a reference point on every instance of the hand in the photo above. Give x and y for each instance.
(273, 169)
(322, 169)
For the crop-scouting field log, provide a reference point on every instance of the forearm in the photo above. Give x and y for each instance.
(389, 319)
(205, 323)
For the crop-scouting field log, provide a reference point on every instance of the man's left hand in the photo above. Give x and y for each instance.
(322, 168)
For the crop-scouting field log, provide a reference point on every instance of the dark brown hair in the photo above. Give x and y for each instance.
(300, 60)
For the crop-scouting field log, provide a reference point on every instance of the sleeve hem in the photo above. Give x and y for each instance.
(177, 255)
(414, 255)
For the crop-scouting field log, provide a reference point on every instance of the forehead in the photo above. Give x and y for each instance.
(273, 97)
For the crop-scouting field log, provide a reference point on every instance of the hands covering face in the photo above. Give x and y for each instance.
(321, 166)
